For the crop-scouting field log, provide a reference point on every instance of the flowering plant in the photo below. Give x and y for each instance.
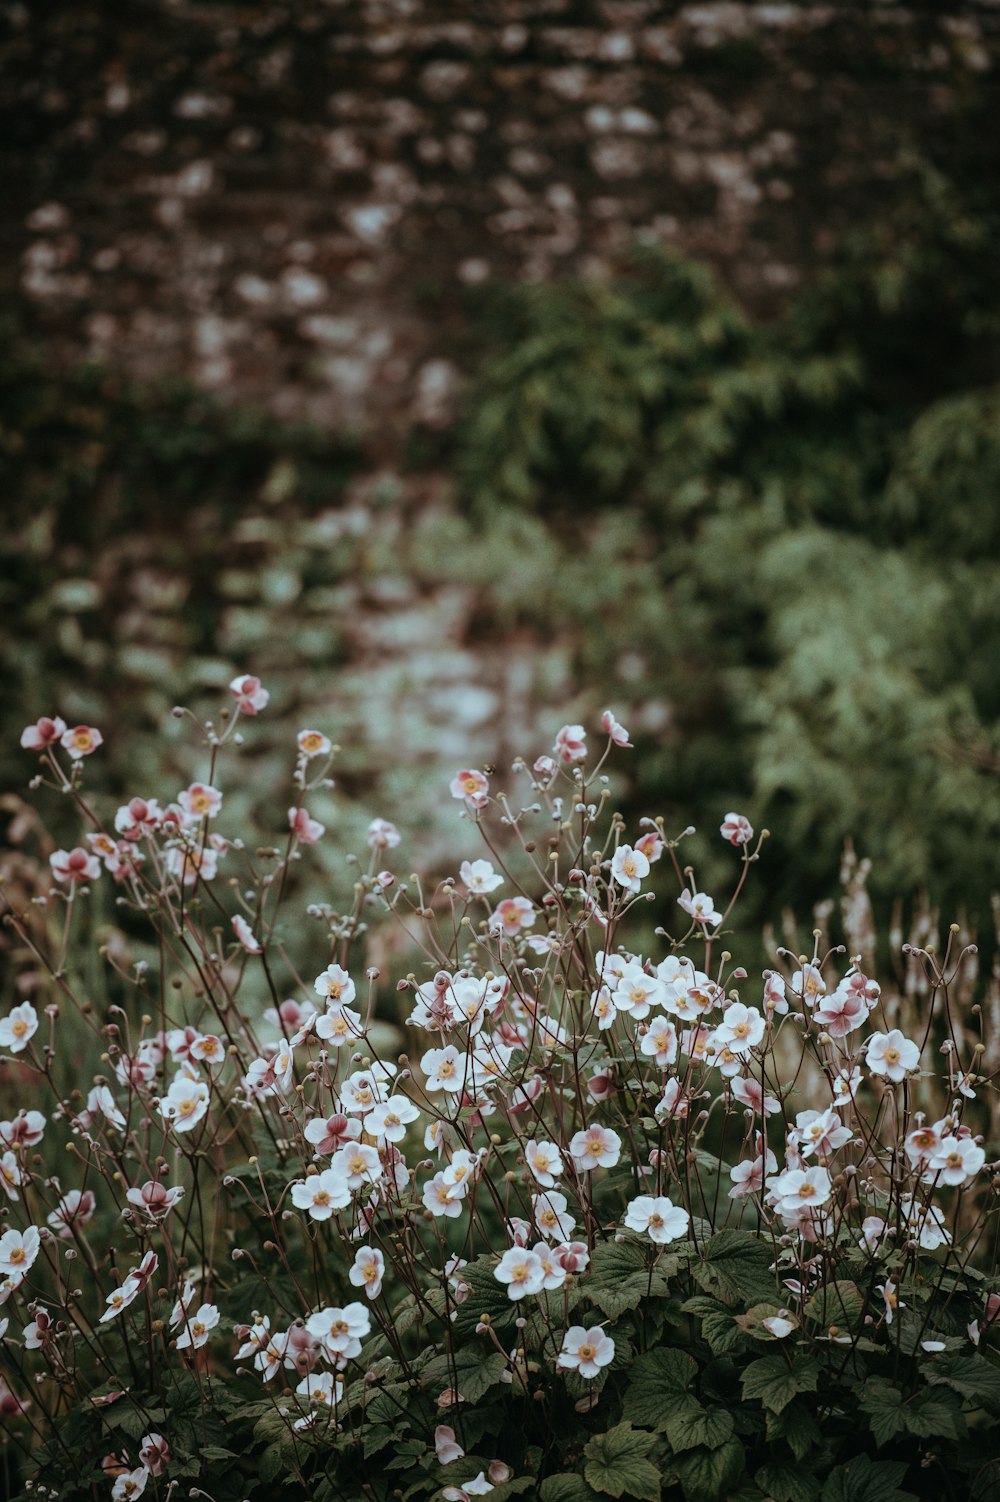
(615, 1223)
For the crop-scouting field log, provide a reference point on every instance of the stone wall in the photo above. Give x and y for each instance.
(285, 201)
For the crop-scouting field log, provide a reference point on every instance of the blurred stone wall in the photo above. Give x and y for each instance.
(284, 201)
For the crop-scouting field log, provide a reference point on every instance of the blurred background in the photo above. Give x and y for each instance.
(462, 369)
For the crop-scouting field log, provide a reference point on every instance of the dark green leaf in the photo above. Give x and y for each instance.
(710, 1475)
(864, 1480)
(699, 1426)
(776, 1383)
(616, 1464)
(787, 1483)
(660, 1387)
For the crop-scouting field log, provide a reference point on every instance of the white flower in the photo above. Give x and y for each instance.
(130, 1484)
(659, 1042)
(368, 1270)
(597, 1147)
(892, 1055)
(779, 1326)
(340, 1331)
(628, 867)
(388, 1122)
(245, 935)
(741, 1028)
(18, 1027)
(320, 1387)
(820, 1132)
(521, 1270)
(185, 1103)
(545, 1162)
(335, 986)
(359, 1163)
(955, 1160)
(442, 1198)
(699, 906)
(636, 992)
(889, 1299)
(322, 1193)
(551, 1217)
(659, 1218)
(479, 877)
(338, 1026)
(586, 1351)
(18, 1251)
(444, 1069)
(799, 1189)
(198, 1327)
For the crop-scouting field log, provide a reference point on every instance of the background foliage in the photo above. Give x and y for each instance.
(772, 546)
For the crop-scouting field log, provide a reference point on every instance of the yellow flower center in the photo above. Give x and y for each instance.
(586, 1353)
(892, 1056)
(806, 1191)
(20, 1028)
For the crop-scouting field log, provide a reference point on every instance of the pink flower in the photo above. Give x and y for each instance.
(75, 865)
(81, 741)
(72, 1211)
(473, 786)
(154, 1198)
(650, 845)
(327, 1134)
(571, 744)
(155, 1454)
(514, 914)
(617, 732)
(200, 801)
(137, 817)
(596, 1147)
(736, 829)
(544, 769)
(189, 862)
(44, 732)
(382, 835)
(446, 1447)
(250, 697)
(308, 830)
(748, 1092)
(245, 934)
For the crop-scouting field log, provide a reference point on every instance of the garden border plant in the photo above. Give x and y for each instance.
(615, 1224)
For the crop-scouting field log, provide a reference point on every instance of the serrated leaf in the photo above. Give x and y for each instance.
(786, 1483)
(718, 1325)
(973, 1376)
(660, 1388)
(735, 1265)
(616, 1464)
(776, 1382)
(699, 1426)
(623, 1274)
(883, 1405)
(709, 1475)
(566, 1488)
(797, 1426)
(837, 1303)
(864, 1480)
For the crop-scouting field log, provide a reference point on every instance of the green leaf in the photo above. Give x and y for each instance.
(709, 1475)
(735, 1266)
(566, 1488)
(376, 1437)
(699, 1426)
(972, 1376)
(838, 1303)
(718, 1325)
(623, 1274)
(797, 1426)
(883, 1404)
(660, 1388)
(787, 1483)
(467, 1369)
(616, 1464)
(271, 1463)
(776, 1383)
(864, 1480)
